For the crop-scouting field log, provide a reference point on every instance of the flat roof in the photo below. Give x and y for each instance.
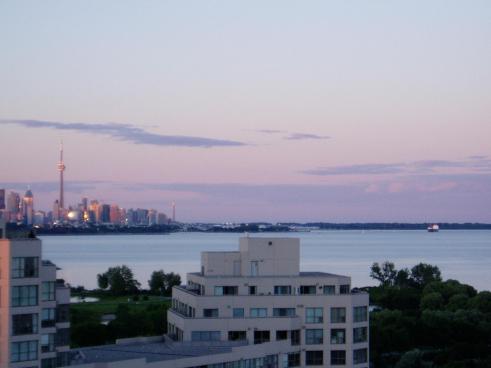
(152, 351)
(301, 274)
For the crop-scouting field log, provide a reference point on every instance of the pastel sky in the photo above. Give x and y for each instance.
(252, 110)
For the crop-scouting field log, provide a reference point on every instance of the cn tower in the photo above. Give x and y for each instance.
(61, 168)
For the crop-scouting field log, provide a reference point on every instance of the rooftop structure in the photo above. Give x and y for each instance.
(258, 294)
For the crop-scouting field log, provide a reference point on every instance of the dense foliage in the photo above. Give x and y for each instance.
(119, 280)
(130, 319)
(422, 321)
(161, 283)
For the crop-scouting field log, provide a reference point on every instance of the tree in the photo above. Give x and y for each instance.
(102, 281)
(119, 280)
(402, 278)
(157, 282)
(385, 274)
(422, 274)
(161, 283)
(412, 359)
(432, 301)
(482, 302)
(171, 279)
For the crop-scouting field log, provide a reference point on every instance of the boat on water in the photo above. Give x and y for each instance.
(433, 228)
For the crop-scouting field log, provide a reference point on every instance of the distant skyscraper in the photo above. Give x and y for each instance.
(152, 217)
(173, 211)
(106, 213)
(85, 204)
(28, 208)
(61, 169)
(115, 214)
(2, 199)
(13, 206)
(56, 211)
(94, 213)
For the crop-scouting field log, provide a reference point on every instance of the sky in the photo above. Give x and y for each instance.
(335, 111)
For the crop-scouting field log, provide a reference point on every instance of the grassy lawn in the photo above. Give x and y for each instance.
(109, 304)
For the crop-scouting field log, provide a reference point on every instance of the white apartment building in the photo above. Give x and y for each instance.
(258, 295)
(34, 306)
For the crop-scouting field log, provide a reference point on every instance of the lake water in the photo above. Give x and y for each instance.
(462, 255)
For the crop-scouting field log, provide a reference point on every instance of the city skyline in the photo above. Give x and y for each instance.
(252, 112)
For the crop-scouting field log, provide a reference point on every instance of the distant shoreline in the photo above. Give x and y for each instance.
(251, 228)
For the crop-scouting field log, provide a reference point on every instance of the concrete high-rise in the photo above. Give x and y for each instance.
(258, 294)
(34, 305)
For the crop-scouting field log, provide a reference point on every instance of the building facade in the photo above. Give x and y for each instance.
(259, 295)
(34, 305)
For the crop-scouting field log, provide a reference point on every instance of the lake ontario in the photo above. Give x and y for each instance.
(464, 255)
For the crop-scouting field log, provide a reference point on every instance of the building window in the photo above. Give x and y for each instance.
(307, 289)
(252, 290)
(24, 267)
(282, 290)
(226, 290)
(295, 337)
(23, 351)
(205, 335)
(281, 335)
(283, 312)
(360, 334)
(48, 363)
(258, 312)
(360, 314)
(314, 336)
(48, 292)
(261, 337)
(360, 356)
(338, 336)
(24, 296)
(47, 343)
(48, 317)
(338, 315)
(237, 335)
(329, 289)
(62, 337)
(237, 266)
(344, 289)
(63, 313)
(210, 313)
(238, 312)
(315, 357)
(63, 358)
(338, 357)
(293, 359)
(314, 315)
(254, 268)
(24, 324)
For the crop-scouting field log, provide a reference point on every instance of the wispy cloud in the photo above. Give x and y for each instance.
(368, 169)
(128, 133)
(270, 131)
(474, 164)
(304, 136)
(294, 136)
